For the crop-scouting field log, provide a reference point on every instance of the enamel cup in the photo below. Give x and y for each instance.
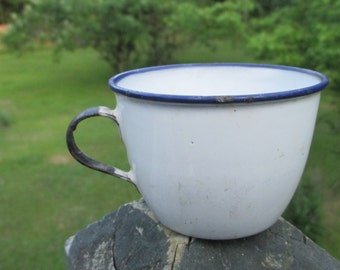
(216, 150)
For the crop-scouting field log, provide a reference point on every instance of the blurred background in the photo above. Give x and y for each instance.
(55, 59)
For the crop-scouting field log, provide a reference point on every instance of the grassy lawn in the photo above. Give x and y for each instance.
(46, 196)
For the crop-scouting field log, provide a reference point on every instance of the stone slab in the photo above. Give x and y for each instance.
(132, 238)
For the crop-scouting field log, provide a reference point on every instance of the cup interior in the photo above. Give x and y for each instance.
(218, 80)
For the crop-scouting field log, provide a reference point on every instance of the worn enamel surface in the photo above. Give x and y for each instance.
(213, 171)
(217, 151)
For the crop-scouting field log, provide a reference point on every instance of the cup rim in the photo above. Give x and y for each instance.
(218, 99)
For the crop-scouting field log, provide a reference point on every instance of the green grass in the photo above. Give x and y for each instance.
(323, 168)
(46, 196)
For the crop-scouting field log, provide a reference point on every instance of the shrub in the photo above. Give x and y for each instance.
(303, 33)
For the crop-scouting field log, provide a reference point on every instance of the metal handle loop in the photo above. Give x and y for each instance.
(83, 158)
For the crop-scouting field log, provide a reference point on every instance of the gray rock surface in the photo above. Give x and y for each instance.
(132, 238)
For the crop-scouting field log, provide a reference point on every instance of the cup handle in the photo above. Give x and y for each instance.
(86, 160)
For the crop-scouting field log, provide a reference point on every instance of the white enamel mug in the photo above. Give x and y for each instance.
(216, 150)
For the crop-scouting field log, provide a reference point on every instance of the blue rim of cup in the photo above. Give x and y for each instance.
(249, 98)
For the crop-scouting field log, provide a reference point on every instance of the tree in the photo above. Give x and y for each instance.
(10, 6)
(127, 33)
(207, 24)
(303, 33)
